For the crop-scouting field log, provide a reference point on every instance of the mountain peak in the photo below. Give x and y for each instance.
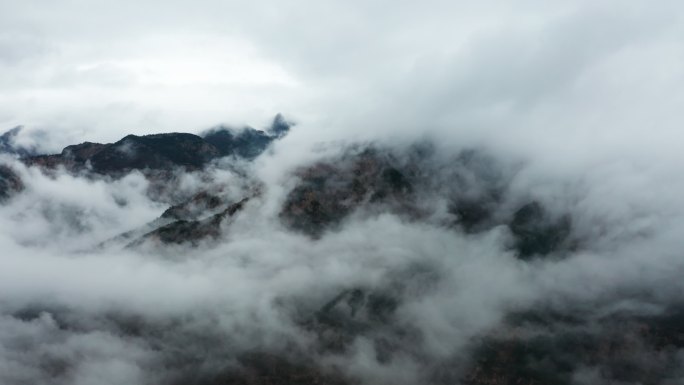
(279, 127)
(8, 143)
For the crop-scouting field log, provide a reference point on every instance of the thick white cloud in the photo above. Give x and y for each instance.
(562, 73)
(584, 96)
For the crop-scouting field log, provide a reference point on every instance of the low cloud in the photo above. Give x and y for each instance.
(130, 310)
(573, 107)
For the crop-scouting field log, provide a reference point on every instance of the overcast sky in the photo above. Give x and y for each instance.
(608, 71)
(591, 91)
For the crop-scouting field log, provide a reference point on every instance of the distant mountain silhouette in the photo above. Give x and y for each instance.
(10, 183)
(162, 151)
(538, 344)
(8, 143)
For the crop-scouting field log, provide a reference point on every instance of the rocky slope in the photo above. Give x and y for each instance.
(382, 180)
(9, 145)
(161, 152)
(159, 157)
(10, 183)
(466, 193)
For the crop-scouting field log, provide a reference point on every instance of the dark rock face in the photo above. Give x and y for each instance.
(549, 348)
(401, 182)
(329, 192)
(80, 153)
(188, 355)
(372, 314)
(73, 158)
(280, 127)
(8, 145)
(191, 232)
(476, 187)
(248, 143)
(160, 152)
(10, 183)
(361, 312)
(180, 232)
(472, 215)
(539, 346)
(536, 232)
(195, 207)
(51, 162)
(378, 179)
(151, 152)
(262, 368)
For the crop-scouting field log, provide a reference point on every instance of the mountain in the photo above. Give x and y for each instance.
(627, 346)
(468, 195)
(187, 229)
(153, 152)
(161, 152)
(247, 142)
(10, 183)
(8, 143)
(280, 126)
(384, 180)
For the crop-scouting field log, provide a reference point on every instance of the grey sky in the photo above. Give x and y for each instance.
(586, 69)
(589, 92)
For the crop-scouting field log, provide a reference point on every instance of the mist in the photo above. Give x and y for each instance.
(425, 134)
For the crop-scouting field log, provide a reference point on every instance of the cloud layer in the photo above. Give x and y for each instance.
(577, 105)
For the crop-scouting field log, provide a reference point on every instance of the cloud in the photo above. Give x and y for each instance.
(349, 68)
(256, 288)
(577, 104)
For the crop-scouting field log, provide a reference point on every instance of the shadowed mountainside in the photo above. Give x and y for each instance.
(467, 193)
(404, 183)
(161, 152)
(10, 183)
(8, 144)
